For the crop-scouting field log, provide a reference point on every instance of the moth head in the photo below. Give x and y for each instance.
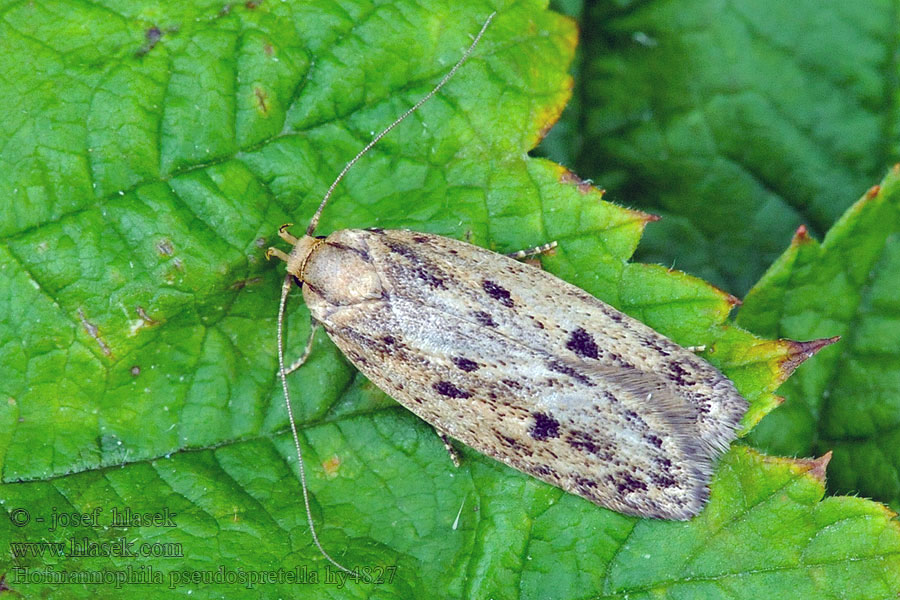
(300, 253)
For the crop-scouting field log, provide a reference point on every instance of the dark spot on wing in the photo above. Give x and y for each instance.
(626, 482)
(445, 388)
(388, 339)
(511, 443)
(655, 440)
(357, 358)
(654, 343)
(678, 374)
(583, 344)
(465, 364)
(403, 250)
(362, 253)
(617, 358)
(565, 369)
(314, 289)
(584, 483)
(484, 318)
(663, 481)
(545, 471)
(512, 383)
(429, 278)
(636, 420)
(496, 292)
(420, 239)
(544, 427)
(581, 440)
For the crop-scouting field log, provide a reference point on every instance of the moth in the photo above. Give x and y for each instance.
(516, 363)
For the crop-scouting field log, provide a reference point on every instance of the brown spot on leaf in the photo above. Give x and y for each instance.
(152, 35)
(331, 466)
(144, 316)
(262, 100)
(94, 332)
(165, 247)
(242, 283)
(135, 371)
(873, 191)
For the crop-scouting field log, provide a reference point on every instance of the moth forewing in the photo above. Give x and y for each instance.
(525, 367)
(514, 362)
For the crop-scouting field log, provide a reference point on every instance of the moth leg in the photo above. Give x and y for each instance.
(284, 234)
(542, 249)
(306, 351)
(700, 348)
(451, 449)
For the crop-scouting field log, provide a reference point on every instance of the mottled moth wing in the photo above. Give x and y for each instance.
(526, 368)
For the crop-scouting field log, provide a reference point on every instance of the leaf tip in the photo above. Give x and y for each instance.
(816, 467)
(801, 236)
(799, 352)
(732, 299)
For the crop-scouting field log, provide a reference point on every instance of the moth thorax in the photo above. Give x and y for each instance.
(340, 272)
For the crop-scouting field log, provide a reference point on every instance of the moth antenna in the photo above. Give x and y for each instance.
(282, 374)
(314, 222)
(286, 286)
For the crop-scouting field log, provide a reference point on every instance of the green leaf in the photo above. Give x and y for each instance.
(152, 153)
(735, 121)
(847, 399)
